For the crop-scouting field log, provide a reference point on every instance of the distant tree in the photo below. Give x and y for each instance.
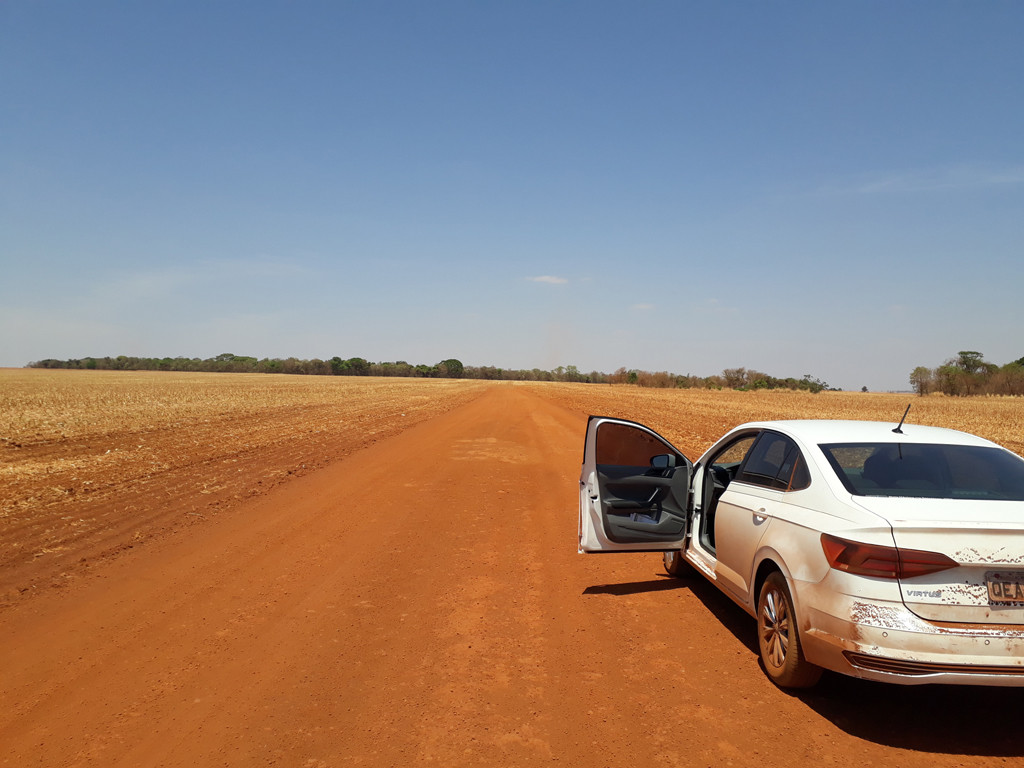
(974, 373)
(812, 384)
(863, 389)
(658, 379)
(1008, 380)
(951, 379)
(400, 368)
(451, 369)
(970, 361)
(489, 372)
(922, 380)
(539, 375)
(619, 377)
(357, 366)
(735, 377)
(317, 367)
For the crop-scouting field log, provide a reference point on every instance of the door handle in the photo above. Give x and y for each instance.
(760, 515)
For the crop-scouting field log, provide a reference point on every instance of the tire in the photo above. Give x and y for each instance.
(778, 639)
(675, 564)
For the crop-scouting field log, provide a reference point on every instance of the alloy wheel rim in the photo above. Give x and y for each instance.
(775, 628)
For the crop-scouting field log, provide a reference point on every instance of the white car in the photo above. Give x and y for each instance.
(886, 554)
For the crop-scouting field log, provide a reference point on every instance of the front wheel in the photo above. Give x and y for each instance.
(675, 564)
(778, 638)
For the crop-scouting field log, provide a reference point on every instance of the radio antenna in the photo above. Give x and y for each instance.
(898, 429)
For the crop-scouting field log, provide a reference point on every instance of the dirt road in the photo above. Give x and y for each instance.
(421, 602)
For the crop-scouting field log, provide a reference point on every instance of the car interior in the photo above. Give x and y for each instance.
(716, 479)
(720, 471)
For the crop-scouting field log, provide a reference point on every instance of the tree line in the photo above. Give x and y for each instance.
(969, 374)
(231, 363)
(742, 379)
(731, 378)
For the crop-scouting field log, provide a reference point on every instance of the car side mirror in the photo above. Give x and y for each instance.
(663, 461)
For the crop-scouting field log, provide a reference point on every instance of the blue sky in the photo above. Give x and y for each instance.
(797, 187)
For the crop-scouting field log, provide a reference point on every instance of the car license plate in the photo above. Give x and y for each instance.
(1005, 586)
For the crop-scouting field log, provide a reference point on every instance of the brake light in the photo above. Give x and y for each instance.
(880, 561)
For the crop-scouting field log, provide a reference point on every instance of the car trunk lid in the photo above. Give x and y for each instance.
(988, 585)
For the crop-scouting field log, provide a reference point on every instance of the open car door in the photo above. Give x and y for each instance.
(634, 489)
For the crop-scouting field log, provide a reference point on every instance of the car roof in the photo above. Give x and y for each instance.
(819, 431)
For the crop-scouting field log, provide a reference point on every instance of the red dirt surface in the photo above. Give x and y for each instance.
(420, 601)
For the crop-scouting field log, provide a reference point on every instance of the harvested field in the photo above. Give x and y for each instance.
(92, 462)
(694, 419)
(331, 572)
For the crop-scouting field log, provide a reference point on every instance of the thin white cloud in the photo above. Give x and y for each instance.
(930, 180)
(549, 279)
(643, 307)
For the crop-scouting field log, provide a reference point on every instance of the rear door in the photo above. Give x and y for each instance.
(773, 467)
(634, 489)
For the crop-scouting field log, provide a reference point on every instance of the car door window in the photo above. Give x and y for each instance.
(775, 462)
(625, 446)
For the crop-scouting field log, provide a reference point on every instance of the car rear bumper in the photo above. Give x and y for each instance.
(884, 641)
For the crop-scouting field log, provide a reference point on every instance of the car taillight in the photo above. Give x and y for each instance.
(882, 562)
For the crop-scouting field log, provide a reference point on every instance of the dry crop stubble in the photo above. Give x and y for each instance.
(92, 461)
(693, 419)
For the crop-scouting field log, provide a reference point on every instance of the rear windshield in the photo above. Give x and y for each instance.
(927, 471)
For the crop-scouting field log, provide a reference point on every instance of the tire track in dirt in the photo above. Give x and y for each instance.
(421, 602)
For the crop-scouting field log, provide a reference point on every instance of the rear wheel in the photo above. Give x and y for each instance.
(675, 564)
(778, 638)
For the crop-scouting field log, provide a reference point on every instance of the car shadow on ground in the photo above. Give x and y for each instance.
(634, 587)
(949, 719)
(953, 719)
